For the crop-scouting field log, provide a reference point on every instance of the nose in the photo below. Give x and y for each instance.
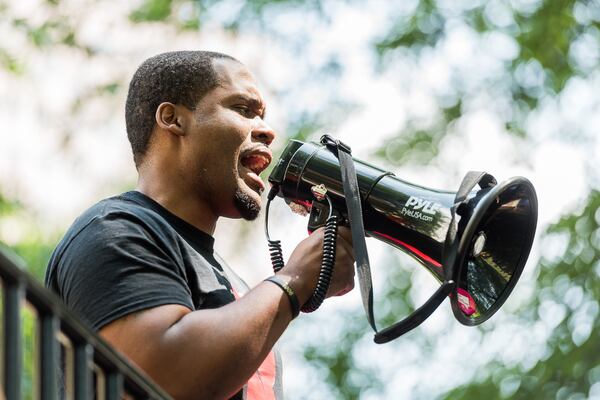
(262, 132)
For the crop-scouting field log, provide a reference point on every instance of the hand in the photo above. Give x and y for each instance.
(302, 269)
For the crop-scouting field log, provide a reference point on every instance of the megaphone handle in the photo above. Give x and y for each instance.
(327, 264)
(328, 260)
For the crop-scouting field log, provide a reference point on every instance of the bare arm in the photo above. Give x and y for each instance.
(212, 353)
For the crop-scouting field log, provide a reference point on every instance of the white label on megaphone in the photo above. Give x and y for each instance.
(428, 207)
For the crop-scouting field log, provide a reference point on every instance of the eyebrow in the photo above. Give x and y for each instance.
(253, 101)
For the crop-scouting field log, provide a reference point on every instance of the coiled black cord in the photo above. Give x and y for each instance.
(276, 254)
(327, 264)
(275, 251)
(329, 247)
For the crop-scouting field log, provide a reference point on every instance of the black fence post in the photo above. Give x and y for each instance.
(83, 372)
(50, 356)
(114, 386)
(13, 349)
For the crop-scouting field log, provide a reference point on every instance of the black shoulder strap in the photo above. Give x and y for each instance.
(353, 203)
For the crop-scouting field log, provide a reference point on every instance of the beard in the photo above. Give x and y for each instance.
(246, 205)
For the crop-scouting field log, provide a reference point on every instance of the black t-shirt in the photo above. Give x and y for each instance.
(128, 253)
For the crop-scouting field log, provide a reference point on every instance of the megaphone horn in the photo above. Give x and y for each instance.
(475, 241)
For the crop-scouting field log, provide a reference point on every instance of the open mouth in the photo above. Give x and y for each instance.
(256, 161)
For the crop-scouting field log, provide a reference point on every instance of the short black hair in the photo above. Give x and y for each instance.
(178, 77)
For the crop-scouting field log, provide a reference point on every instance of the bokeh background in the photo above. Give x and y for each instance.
(427, 89)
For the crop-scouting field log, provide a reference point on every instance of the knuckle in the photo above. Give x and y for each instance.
(319, 234)
(319, 231)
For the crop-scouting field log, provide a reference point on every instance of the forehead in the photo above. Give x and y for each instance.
(234, 77)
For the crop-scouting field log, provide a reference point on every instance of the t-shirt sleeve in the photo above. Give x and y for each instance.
(117, 265)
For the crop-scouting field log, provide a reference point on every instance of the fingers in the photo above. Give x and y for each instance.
(344, 239)
(343, 274)
(347, 289)
(345, 252)
(344, 268)
(345, 233)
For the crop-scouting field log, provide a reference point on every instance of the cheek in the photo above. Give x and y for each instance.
(220, 164)
(217, 148)
(227, 135)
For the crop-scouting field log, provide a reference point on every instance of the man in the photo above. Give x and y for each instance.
(140, 267)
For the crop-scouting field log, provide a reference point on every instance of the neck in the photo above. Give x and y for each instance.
(172, 196)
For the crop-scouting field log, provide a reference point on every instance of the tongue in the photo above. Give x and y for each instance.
(250, 161)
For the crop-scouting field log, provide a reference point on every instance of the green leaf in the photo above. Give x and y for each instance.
(152, 11)
(546, 36)
(10, 63)
(423, 29)
(412, 146)
(109, 88)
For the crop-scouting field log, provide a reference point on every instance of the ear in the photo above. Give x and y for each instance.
(168, 118)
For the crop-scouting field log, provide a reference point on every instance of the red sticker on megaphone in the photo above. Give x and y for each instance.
(466, 302)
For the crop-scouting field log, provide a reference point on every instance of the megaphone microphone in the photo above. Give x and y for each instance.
(475, 241)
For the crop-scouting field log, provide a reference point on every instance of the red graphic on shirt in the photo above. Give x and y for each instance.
(261, 386)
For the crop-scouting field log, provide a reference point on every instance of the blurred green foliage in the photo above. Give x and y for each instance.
(152, 10)
(339, 356)
(417, 30)
(161, 11)
(544, 31)
(10, 63)
(190, 14)
(568, 294)
(32, 248)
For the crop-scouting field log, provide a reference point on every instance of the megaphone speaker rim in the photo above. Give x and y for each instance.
(465, 243)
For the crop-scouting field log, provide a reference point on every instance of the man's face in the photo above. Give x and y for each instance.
(227, 146)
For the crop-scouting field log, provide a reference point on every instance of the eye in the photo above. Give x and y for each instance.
(245, 111)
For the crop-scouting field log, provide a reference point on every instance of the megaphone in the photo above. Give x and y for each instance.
(475, 241)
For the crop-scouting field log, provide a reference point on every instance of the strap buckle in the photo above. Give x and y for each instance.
(334, 144)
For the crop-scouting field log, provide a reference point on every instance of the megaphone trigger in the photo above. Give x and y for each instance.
(319, 191)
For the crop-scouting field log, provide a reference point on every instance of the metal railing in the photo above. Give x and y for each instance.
(72, 361)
